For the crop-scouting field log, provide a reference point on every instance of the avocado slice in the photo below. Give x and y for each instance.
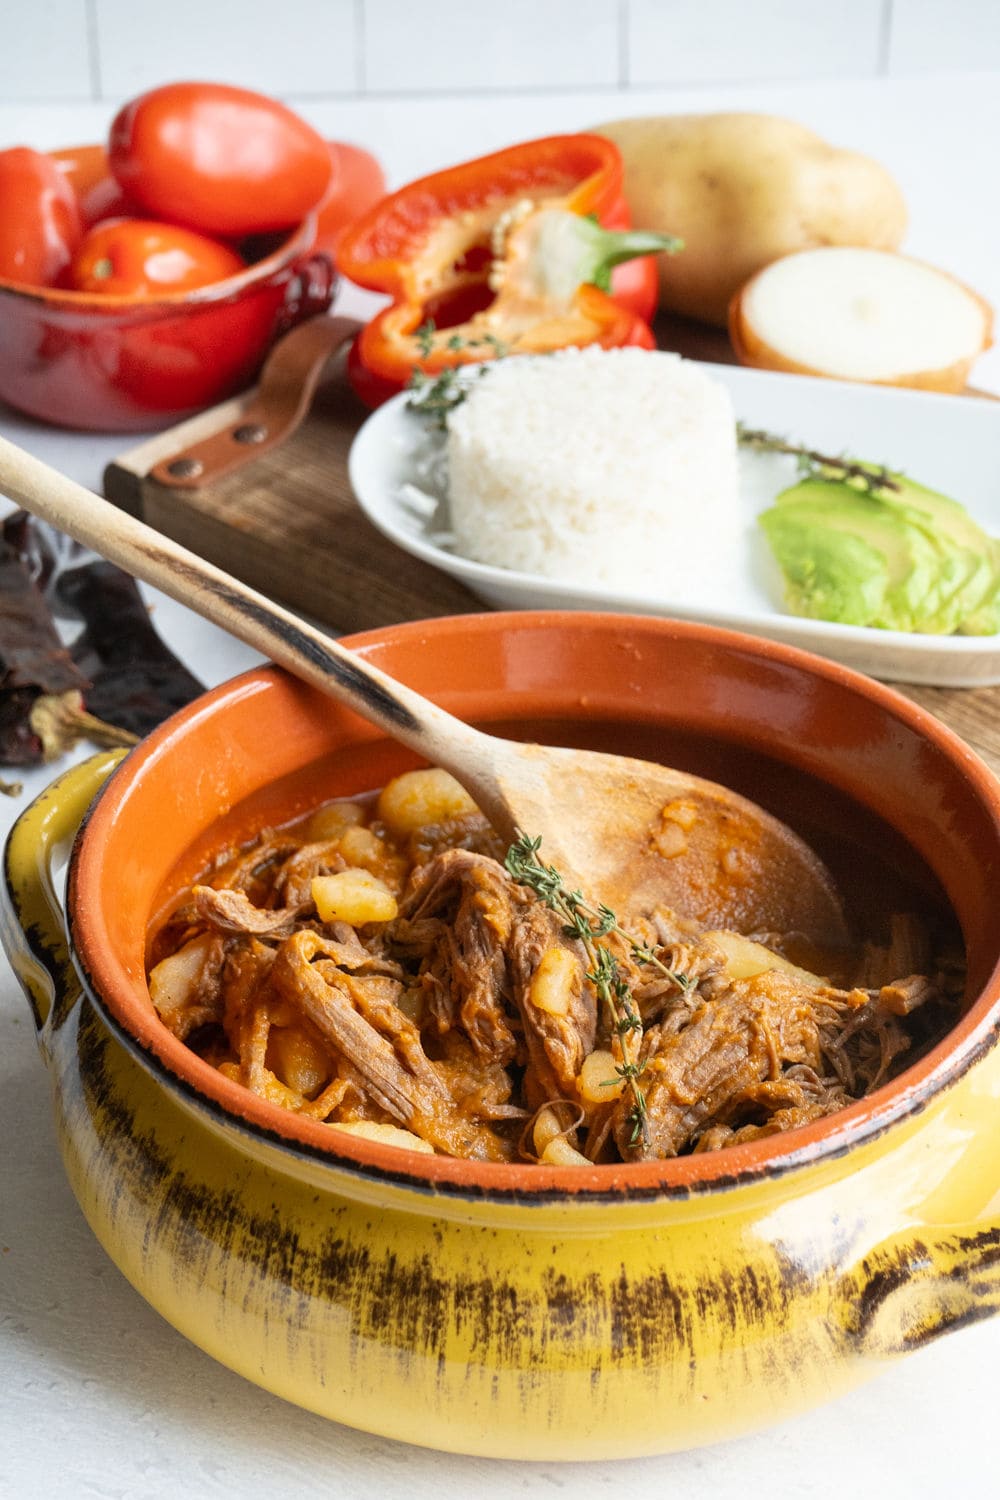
(846, 558)
(971, 587)
(984, 619)
(907, 558)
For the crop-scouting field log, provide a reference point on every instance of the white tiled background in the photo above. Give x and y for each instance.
(76, 50)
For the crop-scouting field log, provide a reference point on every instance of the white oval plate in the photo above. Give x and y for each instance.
(949, 443)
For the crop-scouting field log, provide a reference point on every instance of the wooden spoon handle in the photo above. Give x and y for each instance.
(253, 618)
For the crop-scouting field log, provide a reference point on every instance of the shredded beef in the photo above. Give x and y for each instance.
(437, 1020)
(556, 1044)
(472, 904)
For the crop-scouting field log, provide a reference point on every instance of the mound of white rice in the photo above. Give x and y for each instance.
(609, 467)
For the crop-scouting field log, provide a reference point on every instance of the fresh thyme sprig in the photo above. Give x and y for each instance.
(436, 395)
(424, 338)
(589, 924)
(872, 477)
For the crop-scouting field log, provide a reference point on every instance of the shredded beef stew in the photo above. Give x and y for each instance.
(375, 967)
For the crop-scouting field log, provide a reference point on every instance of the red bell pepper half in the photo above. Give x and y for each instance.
(507, 254)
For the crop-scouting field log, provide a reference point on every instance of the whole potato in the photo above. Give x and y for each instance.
(741, 190)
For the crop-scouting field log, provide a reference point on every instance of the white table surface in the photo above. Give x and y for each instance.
(98, 1396)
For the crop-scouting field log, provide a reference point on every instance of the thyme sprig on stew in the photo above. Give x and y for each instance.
(874, 478)
(589, 924)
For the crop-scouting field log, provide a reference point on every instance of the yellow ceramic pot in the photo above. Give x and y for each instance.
(522, 1311)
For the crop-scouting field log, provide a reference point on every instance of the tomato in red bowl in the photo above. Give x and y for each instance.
(108, 363)
(219, 159)
(125, 257)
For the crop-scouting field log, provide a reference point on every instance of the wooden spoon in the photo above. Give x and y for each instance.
(631, 834)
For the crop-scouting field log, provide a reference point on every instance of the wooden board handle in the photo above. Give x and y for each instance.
(287, 385)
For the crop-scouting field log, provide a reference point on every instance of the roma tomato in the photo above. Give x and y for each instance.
(82, 166)
(357, 182)
(104, 199)
(139, 258)
(39, 219)
(219, 159)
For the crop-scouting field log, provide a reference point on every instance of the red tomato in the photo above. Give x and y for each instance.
(219, 159)
(358, 181)
(138, 258)
(39, 219)
(82, 165)
(104, 200)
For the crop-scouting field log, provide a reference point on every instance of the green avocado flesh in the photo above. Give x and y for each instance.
(903, 559)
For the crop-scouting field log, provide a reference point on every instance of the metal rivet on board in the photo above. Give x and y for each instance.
(250, 432)
(185, 468)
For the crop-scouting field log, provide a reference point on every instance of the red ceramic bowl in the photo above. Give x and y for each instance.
(115, 364)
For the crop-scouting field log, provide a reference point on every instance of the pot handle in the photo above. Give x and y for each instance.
(309, 290)
(914, 1287)
(32, 920)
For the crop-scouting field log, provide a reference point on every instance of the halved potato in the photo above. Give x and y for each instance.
(855, 314)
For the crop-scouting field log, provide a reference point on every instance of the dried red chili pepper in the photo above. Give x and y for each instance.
(130, 679)
(136, 680)
(33, 661)
(506, 254)
(44, 551)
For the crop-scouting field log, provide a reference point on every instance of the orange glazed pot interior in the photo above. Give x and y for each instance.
(870, 779)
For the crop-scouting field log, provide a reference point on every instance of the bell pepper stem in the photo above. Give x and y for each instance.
(569, 250)
(603, 249)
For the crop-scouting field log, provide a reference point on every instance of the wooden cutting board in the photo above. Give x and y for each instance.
(285, 520)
